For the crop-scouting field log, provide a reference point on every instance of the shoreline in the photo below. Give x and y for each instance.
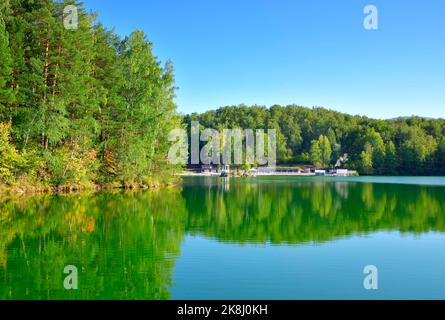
(14, 190)
(281, 174)
(278, 174)
(29, 190)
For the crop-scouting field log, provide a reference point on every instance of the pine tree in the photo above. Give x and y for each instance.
(83, 95)
(6, 92)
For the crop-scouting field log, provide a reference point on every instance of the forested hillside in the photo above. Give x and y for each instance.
(83, 107)
(80, 107)
(317, 136)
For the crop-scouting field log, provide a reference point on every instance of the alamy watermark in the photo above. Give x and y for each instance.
(371, 21)
(70, 17)
(71, 280)
(229, 146)
(371, 281)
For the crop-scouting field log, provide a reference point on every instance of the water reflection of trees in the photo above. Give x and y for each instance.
(300, 211)
(123, 244)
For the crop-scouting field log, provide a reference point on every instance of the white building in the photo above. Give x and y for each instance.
(342, 173)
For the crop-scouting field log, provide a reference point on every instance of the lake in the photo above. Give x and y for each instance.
(238, 238)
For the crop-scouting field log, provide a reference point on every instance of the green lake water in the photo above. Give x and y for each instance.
(215, 238)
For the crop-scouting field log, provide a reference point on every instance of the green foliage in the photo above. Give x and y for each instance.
(326, 150)
(71, 165)
(405, 146)
(145, 230)
(316, 155)
(390, 165)
(366, 162)
(305, 212)
(417, 149)
(6, 94)
(147, 111)
(9, 157)
(440, 156)
(125, 244)
(86, 107)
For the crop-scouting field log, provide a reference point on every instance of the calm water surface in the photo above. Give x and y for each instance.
(213, 238)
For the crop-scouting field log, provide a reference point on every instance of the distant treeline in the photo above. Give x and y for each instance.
(317, 136)
(80, 106)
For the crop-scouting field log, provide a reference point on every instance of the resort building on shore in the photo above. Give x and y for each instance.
(225, 170)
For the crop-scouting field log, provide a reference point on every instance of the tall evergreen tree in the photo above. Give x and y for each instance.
(6, 92)
(88, 107)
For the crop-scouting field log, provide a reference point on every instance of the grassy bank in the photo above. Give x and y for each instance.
(26, 188)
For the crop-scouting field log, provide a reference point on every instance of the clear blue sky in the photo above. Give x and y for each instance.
(311, 53)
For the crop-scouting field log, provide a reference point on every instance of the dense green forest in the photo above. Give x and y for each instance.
(317, 136)
(80, 107)
(84, 107)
